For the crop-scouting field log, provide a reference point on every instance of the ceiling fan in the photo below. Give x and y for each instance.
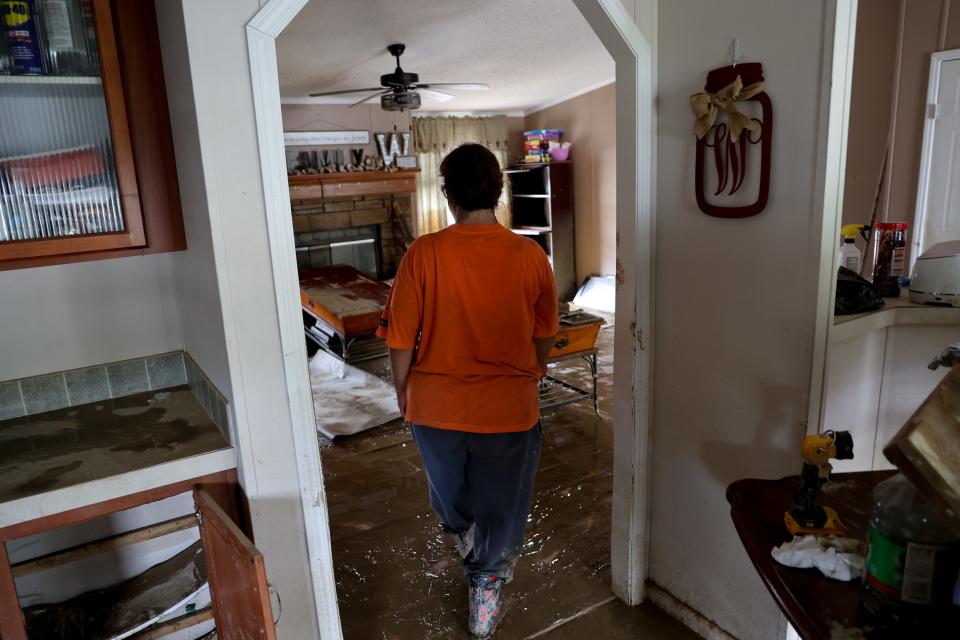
(400, 90)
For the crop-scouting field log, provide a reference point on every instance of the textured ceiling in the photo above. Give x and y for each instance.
(528, 51)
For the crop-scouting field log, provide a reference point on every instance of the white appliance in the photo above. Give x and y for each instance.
(936, 275)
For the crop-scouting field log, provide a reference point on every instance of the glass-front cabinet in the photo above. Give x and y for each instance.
(83, 132)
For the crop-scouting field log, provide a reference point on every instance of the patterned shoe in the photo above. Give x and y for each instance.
(484, 605)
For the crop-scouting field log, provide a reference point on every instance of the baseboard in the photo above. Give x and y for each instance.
(690, 617)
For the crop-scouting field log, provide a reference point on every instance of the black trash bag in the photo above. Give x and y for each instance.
(854, 294)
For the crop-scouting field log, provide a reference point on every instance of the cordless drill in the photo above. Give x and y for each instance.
(805, 515)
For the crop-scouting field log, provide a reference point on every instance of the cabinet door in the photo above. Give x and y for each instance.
(238, 580)
(68, 180)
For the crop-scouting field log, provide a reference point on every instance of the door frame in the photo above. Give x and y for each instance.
(926, 150)
(634, 296)
(835, 92)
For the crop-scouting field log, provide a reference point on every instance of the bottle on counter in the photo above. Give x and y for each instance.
(911, 571)
(65, 37)
(849, 255)
(890, 251)
(21, 26)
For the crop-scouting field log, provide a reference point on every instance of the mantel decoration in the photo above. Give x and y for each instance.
(391, 156)
(719, 125)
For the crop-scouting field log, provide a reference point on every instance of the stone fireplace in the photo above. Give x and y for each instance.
(363, 231)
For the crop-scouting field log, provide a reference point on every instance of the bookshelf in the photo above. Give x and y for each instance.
(542, 210)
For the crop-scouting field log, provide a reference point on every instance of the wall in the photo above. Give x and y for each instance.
(515, 128)
(222, 132)
(735, 305)
(589, 122)
(76, 315)
(895, 39)
(194, 270)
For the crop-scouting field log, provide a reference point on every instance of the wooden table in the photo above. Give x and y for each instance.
(811, 602)
(344, 303)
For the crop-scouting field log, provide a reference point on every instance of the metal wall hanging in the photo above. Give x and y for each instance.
(730, 134)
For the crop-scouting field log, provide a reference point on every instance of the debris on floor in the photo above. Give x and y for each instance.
(121, 610)
(347, 399)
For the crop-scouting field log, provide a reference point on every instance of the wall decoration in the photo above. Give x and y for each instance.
(406, 162)
(720, 126)
(390, 151)
(317, 138)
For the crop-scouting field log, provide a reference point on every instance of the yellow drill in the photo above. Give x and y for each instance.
(805, 515)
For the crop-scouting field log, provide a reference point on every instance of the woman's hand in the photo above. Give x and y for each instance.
(402, 402)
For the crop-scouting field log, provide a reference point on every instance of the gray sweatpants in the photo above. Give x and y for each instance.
(483, 481)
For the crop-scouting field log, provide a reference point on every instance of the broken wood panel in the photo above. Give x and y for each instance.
(126, 606)
(238, 578)
(927, 447)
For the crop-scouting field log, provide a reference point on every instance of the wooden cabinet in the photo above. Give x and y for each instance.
(235, 568)
(87, 168)
(541, 199)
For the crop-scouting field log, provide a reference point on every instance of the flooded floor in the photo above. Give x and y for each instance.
(398, 578)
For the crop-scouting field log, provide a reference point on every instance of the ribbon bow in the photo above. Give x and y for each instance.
(707, 105)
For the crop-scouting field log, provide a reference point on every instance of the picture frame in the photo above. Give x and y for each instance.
(406, 162)
(322, 138)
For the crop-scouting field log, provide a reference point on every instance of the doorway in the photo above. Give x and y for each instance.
(624, 41)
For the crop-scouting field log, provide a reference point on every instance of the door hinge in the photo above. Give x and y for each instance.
(933, 110)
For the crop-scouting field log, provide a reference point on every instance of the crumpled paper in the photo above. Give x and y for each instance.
(835, 557)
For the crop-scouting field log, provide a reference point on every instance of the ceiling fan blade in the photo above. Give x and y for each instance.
(456, 86)
(368, 98)
(438, 96)
(337, 93)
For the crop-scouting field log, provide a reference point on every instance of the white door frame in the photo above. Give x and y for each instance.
(634, 297)
(835, 92)
(926, 151)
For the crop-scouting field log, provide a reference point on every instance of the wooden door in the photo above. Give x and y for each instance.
(238, 579)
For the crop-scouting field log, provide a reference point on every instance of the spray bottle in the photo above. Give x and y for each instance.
(849, 255)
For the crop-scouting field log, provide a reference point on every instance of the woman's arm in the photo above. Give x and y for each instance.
(543, 347)
(400, 362)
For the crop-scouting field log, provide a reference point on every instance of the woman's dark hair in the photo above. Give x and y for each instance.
(472, 178)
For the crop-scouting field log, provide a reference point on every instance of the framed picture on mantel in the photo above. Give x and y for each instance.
(319, 138)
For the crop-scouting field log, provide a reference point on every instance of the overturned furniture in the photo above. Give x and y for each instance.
(341, 311)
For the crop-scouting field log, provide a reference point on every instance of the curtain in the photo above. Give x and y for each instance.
(433, 138)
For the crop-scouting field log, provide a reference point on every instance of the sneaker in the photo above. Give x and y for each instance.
(463, 540)
(484, 605)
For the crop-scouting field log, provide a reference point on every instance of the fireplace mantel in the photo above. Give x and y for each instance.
(320, 186)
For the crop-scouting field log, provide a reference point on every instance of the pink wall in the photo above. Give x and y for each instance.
(589, 122)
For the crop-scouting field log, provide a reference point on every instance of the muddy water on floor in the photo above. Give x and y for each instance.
(398, 577)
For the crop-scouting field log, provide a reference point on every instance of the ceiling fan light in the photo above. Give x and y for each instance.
(400, 101)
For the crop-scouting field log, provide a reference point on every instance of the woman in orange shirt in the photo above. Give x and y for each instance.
(471, 318)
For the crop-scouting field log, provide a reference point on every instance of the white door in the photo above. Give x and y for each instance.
(938, 195)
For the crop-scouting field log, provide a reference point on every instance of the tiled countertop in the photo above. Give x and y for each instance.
(894, 311)
(79, 455)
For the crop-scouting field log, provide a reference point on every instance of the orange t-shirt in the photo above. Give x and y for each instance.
(470, 299)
